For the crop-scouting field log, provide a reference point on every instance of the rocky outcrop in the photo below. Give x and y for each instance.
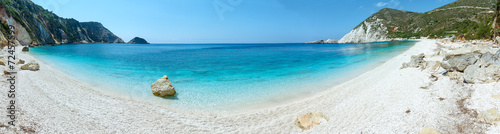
(309, 120)
(417, 61)
(385, 25)
(37, 26)
(476, 64)
(32, 65)
(461, 58)
(163, 87)
(330, 41)
(316, 42)
(327, 41)
(478, 73)
(391, 24)
(138, 40)
(374, 31)
(3, 41)
(20, 31)
(98, 33)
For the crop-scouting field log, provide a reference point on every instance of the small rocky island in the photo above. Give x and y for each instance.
(327, 41)
(138, 40)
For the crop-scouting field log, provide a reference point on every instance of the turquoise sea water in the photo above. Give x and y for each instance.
(219, 76)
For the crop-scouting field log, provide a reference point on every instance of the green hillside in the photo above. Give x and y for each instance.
(472, 19)
(45, 27)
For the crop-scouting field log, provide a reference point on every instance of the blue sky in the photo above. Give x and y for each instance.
(230, 21)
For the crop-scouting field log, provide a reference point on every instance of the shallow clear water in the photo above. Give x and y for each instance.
(219, 76)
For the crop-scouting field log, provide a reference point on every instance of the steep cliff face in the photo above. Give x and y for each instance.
(37, 26)
(472, 19)
(98, 33)
(21, 33)
(367, 32)
(378, 26)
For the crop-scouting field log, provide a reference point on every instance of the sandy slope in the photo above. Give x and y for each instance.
(384, 100)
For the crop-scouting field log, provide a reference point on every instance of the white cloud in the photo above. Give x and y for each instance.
(381, 4)
(394, 3)
(391, 3)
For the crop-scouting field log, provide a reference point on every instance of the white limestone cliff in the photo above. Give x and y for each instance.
(367, 32)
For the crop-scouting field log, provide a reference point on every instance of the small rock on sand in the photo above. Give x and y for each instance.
(309, 120)
(19, 62)
(25, 49)
(32, 65)
(2, 61)
(429, 130)
(163, 87)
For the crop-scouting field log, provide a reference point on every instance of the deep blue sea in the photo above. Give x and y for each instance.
(219, 76)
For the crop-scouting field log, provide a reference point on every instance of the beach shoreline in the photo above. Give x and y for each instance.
(303, 82)
(377, 101)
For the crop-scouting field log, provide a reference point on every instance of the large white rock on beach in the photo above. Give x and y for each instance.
(416, 61)
(478, 64)
(481, 74)
(309, 120)
(163, 87)
(460, 59)
(32, 65)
